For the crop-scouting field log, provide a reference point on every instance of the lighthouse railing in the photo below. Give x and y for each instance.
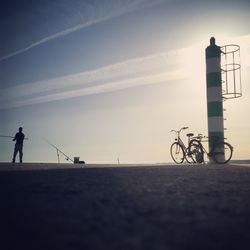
(231, 71)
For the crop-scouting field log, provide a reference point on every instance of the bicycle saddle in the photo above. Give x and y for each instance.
(190, 134)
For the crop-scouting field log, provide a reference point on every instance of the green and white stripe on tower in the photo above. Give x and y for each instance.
(214, 93)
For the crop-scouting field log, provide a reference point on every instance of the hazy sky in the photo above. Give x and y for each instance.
(108, 79)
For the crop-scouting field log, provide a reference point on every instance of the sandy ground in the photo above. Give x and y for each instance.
(67, 206)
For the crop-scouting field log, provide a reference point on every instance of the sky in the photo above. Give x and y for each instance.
(104, 80)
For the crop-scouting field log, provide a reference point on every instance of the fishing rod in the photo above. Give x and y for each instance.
(12, 137)
(59, 151)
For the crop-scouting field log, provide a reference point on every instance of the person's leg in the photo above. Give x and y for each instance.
(15, 153)
(21, 153)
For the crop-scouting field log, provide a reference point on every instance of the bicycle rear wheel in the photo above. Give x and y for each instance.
(177, 152)
(189, 157)
(222, 152)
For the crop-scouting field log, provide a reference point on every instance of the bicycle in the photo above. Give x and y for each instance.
(179, 151)
(220, 153)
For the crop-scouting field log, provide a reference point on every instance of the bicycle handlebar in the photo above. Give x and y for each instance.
(178, 131)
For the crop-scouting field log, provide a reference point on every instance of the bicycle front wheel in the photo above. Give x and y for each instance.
(177, 152)
(222, 152)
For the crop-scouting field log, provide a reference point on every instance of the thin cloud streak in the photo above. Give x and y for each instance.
(103, 88)
(146, 65)
(135, 5)
(150, 69)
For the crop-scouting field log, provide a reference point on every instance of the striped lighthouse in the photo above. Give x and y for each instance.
(214, 93)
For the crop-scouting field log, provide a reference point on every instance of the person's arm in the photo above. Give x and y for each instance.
(14, 139)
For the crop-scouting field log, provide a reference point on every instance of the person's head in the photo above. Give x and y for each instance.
(20, 129)
(212, 41)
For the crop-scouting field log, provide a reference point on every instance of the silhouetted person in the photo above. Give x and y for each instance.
(19, 137)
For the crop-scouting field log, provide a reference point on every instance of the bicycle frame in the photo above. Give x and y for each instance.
(179, 140)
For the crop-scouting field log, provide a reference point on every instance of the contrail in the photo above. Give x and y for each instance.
(103, 88)
(151, 69)
(49, 38)
(132, 6)
(150, 64)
